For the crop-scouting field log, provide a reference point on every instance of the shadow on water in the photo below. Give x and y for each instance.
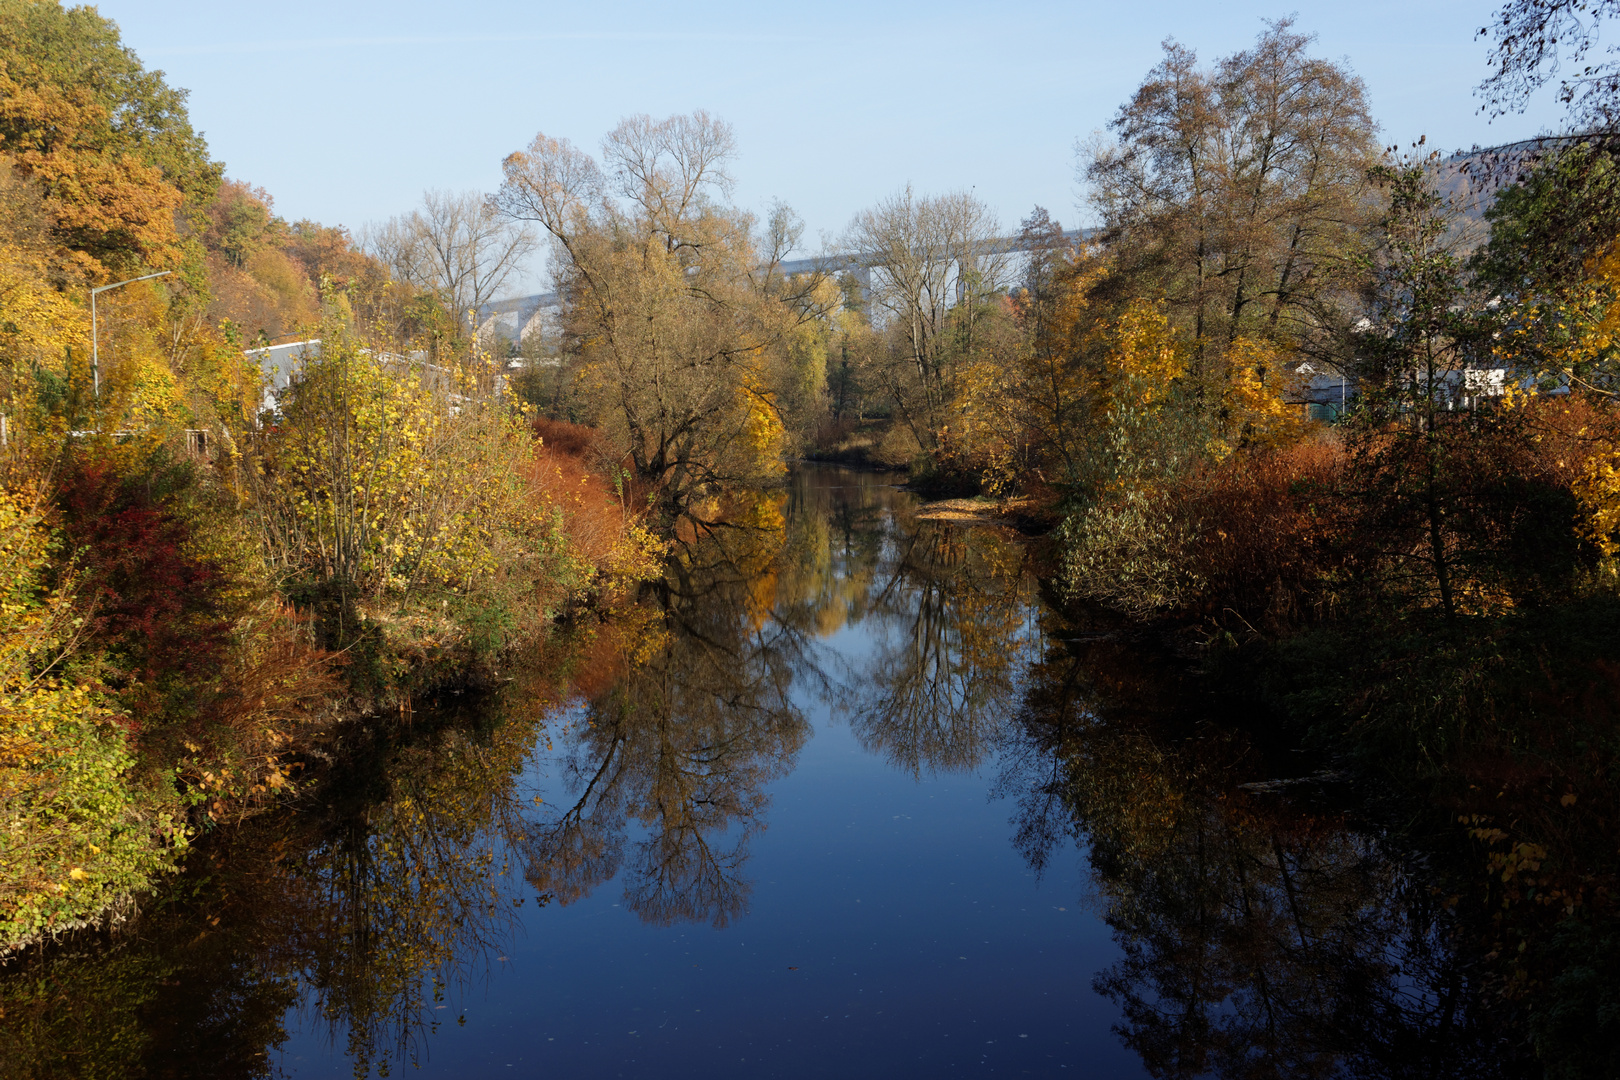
(1260, 929)
(1268, 928)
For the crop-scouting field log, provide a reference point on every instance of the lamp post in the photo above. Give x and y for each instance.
(95, 354)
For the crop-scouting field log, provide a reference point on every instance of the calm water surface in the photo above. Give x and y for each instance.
(840, 797)
(778, 849)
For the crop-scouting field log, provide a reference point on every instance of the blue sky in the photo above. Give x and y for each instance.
(346, 112)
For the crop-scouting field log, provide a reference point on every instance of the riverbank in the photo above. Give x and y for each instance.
(175, 662)
(1488, 744)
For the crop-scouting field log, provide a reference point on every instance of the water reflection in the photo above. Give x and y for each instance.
(402, 897)
(358, 915)
(934, 696)
(1265, 933)
(1261, 932)
(683, 744)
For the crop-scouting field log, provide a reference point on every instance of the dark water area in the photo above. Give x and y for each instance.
(842, 796)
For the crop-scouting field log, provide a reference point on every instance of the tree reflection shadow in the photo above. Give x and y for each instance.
(363, 910)
(1265, 931)
(666, 769)
(945, 615)
(684, 743)
(403, 898)
(941, 682)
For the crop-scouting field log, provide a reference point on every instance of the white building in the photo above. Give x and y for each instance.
(280, 364)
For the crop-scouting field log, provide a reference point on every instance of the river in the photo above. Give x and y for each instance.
(841, 796)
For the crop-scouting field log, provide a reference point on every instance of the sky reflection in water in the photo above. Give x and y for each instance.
(843, 799)
(849, 801)
(778, 845)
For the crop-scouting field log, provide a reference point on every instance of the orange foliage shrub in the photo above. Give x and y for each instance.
(1278, 538)
(1264, 533)
(569, 440)
(1486, 495)
(593, 518)
(1580, 437)
(598, 519)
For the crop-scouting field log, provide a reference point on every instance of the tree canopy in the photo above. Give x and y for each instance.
(108, 141)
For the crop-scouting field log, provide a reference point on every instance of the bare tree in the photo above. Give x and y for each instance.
(457, 246)
(933, 262)
(1534, 38)
(672, 169)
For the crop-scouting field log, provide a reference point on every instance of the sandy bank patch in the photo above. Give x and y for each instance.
(963, 510)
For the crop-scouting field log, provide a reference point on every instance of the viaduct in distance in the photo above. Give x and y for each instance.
(516, 317)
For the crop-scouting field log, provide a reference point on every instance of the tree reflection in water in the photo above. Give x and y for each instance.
(684, 742)
(1265, 933)
(363, 911)
(954, 607)
(403, 897)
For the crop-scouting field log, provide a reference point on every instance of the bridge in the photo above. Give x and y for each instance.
(516, 317)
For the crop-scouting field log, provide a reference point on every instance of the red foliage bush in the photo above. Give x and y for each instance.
(219, 681)
(157, 603)
(1264, 533)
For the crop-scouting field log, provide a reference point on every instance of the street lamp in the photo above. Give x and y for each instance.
(95, 354)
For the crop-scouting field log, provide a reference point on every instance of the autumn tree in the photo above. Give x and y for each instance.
(72, 810)
(41, 324)
(389, 487)
(671, 302)
(256, 287)
(1024, 409)
(1533, 40)
(108, 142)
(1240, 193)
(852, 379)
(1550, 267)
(327, 251)
(1552, 270)
(456, 246)
(1447, 485)
(934, 262)
(1239, 223)
(1562, 187)
(241, 222)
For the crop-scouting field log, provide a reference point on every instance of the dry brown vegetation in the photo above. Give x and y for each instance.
(1264, 534)
(569, 469)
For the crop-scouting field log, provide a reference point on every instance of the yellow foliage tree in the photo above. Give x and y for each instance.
(685, 341)
(1080, 374)
(1567, 338)
(1255, 412)
(393, 489)
(379, 479)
